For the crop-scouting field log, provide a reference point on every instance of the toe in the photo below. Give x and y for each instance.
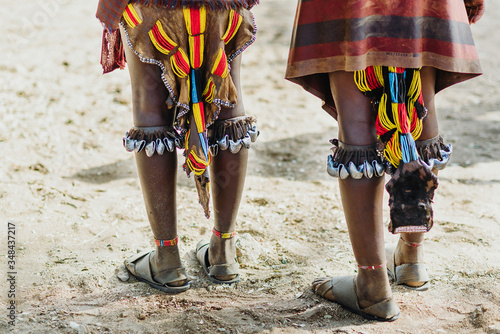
(322, 286)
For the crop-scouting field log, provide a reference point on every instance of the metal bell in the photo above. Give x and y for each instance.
(446, 155)
(169, 144)
(129, 144)
(160, 147)
(246, 141)
(223, 143)
(355, 172)
(179, 142)
(331, 170)
(214, 149)
(378, 169)
(139, 145)
(150, 149)
(235, 146)
(367, 170)
(254, 133)
(344, 173)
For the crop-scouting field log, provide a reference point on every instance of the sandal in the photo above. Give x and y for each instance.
(344, 290)
(405, 273)
(217, 270)
(139, 266)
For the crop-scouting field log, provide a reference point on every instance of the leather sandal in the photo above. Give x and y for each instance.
(139, 266)
(404, 273)
(343, 289)
(217, 270)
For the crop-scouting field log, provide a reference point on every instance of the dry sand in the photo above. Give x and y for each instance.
(74, 196)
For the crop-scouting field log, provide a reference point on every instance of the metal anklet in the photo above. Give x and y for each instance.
(355, 161)
(152, 139)
(434, 152)
(232, 134)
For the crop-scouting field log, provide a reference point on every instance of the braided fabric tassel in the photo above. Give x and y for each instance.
(398, 92)
(198, 157)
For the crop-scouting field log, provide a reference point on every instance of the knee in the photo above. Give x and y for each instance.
(357, 132)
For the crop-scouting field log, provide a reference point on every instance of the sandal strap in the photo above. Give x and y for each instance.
(409, 244)
(372, 267)
(224, 235)
(162, 243)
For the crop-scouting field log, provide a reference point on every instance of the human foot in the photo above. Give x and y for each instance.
(166, 257)
(405, 262)
(218, 257)
(372, 286)
(351, 294)
(165, 278)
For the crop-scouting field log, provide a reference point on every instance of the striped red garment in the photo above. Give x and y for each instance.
(109, 12)
(351, 35)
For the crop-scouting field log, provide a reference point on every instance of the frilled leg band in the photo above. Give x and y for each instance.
(152, 139)
(434, 152)
(355, 161)
(412, 185)
(232, 134)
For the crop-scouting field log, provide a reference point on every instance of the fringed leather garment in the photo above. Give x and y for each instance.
(193, 45)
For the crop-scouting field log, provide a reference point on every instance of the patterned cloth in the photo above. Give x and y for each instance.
(109, 12)
(350, 35)
(193, 47)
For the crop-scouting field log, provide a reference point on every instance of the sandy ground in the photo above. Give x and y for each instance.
(73, 195)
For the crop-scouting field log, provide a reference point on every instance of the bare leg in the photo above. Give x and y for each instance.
(407, 254)
(361, 199)
(157, 174)
(228, 173)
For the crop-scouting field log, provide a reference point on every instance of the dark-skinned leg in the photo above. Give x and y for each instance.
(407, 254)
(157, 174)
(362, 199)
(228, 173)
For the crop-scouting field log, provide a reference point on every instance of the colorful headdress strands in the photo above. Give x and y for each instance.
(398, 92)
(131, 17)
(197, 157)
(235, 20)
(400, 108)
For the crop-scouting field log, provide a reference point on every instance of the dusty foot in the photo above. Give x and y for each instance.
(166, 258)
(406, 254)
(372, 287)
(222, 251)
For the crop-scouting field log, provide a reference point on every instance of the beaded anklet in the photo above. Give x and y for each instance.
(409, 244)
(172, 242)
(227, 235)
(372, 267)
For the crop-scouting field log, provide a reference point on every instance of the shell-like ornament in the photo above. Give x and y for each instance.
(169, 144)
(254, 133)
(431, 163)
(331, 170)
(246, 141)
(160, 147)
(378, 168)
(344, 173)
(356, 173)
(214, 149)
(179, 142)
(129, 144)
(223, 143)
(235, 146)
(367, 170)
(445, 154)
(139, 145)
(150, 149)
